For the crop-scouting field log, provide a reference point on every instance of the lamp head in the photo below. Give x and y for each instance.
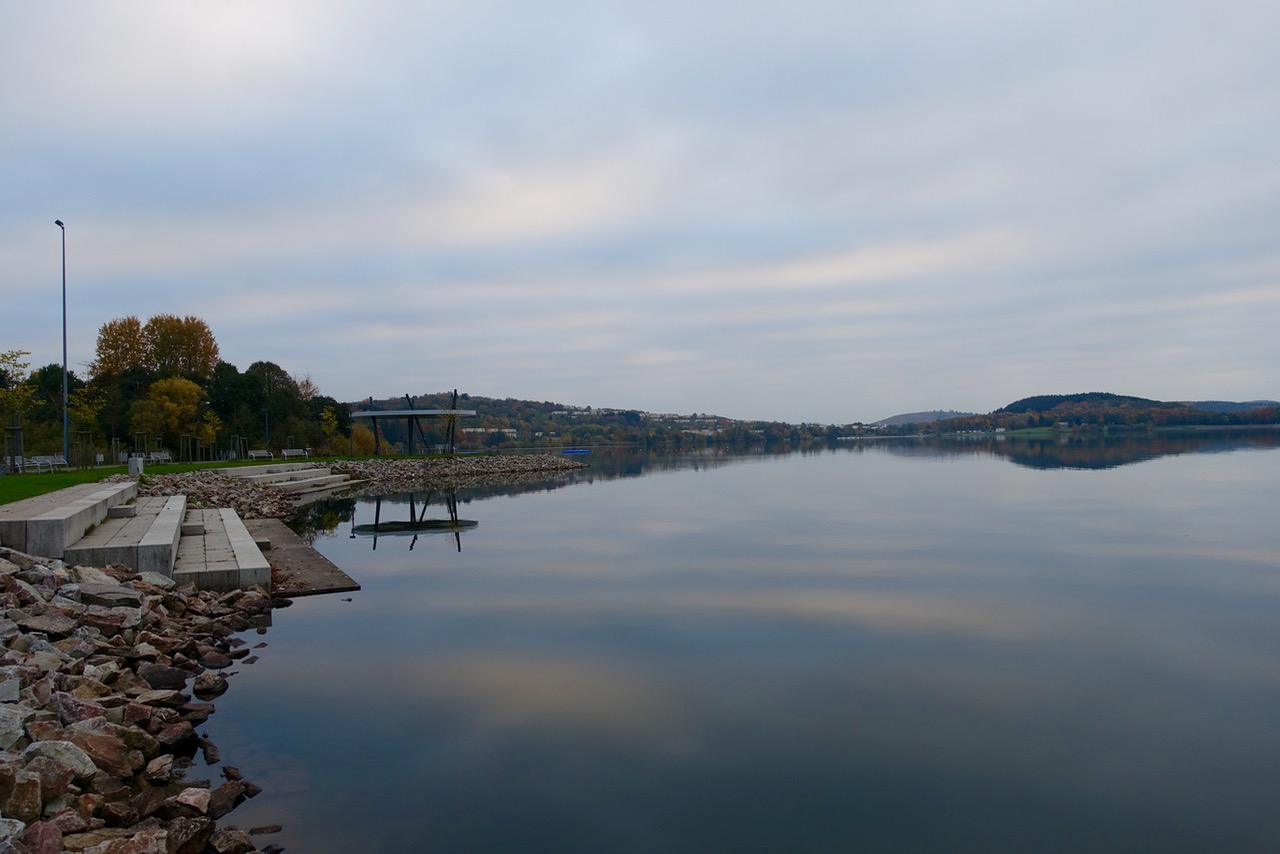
(58, 223)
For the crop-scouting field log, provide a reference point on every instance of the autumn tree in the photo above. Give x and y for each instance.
(181, 347)
(362, 443)
(166, 345)
(121, 346)
(307, 389)
(172, 406)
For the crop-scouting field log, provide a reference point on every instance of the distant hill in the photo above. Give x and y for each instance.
(920, 417)
(1229, 405)
(1097, 409)
(1047, 402)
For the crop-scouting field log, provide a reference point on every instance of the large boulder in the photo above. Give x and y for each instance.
(163, 676)
(65, 753)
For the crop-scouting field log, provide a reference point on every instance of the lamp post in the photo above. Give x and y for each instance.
(66, 426)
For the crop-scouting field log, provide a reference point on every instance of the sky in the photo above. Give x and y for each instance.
(804, 211)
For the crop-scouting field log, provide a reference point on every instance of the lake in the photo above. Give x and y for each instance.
(885, 646)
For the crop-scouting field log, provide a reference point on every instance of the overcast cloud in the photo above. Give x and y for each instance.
(801, 211)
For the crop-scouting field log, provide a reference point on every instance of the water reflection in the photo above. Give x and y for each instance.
(418, 524)
(905, 645)
(1067, 450)
(1083, 451)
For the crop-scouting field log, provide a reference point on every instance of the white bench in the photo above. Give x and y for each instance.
(289, 453)
(46, 463)
(260, 455)
(159, 457)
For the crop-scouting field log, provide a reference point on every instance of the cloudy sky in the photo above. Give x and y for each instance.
(802, 211)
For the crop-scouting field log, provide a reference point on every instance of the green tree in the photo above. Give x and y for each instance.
(46, 408)
(84, 405)
(15, 394)
(119, 392)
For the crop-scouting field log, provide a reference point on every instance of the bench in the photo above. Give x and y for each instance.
(289, 453)
(260, 455)
(46, 463)
(159, 457)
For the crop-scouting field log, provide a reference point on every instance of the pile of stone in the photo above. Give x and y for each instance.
(210, 488)
(97, 728)
(391, 475)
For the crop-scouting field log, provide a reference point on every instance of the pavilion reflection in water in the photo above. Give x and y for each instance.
(418, 524)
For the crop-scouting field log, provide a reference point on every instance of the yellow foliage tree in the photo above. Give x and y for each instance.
(172, 407)
(361, 441)
(329, 427)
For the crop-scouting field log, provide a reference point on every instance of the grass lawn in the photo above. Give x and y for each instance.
(15, 487)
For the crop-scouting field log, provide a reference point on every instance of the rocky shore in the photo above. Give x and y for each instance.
(212, 488)
(400, 474)
(106, 674)
(379, 476)
(104, 677)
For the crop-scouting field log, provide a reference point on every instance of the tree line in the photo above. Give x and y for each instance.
(162, 385)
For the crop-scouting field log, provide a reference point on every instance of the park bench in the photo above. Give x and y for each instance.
(46, 463)
(159, 457)
(260, 455)
(289, 453)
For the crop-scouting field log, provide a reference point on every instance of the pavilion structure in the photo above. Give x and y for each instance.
(412, 415)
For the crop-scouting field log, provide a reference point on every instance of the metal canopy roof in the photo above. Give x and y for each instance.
(401, 413)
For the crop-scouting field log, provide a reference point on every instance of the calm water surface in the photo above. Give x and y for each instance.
(876, 647)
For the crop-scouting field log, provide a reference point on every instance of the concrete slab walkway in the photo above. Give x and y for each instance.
(298, 569)
(217, 552)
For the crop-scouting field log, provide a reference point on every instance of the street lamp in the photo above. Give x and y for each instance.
(66, 426)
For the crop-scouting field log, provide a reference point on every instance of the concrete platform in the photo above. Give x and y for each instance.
(147, 541)
(275, 473)
(313, 484)
(307, 481)
(47, 524)
(223, 557)
(298, 569)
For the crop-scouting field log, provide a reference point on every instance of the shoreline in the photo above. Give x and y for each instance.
(403, 474)
(106, 673)
(105, 676)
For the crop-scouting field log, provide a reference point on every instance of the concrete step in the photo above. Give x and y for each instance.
(272, 473)
(224, 557)
(47, 524)
(311, 484)
(144, 542)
